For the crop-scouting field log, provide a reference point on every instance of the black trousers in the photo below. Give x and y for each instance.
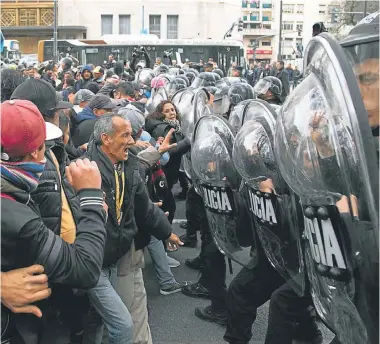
(183, 180)
(286, 311)
(213, 275)
(249, 290)
(169, 201)
(194, 205)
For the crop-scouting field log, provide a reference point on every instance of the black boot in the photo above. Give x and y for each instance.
(196, 290)
(214, 315)
(195, 263)
(189, 241)
(309, 332)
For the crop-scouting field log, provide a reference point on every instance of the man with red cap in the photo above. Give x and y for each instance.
(25, 238)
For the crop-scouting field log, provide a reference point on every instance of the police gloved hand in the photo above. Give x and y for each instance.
(22, 287)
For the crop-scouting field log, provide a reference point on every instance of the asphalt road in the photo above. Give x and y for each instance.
(171, 317)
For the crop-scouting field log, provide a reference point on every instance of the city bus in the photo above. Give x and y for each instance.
(11, 49)
(223, 52)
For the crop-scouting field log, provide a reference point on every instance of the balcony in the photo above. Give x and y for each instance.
(259, 32)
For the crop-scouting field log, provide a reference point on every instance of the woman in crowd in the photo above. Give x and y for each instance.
(158, 125)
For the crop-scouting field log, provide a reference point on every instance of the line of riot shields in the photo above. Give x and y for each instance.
(296, 184)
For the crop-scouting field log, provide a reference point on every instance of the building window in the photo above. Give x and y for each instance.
(288, 8)
(172, 27)
(107, 22)
(288, 42)
(322, 9)
(300, 8)
(155, 25)
(267, 26)
(287, 26)
(298, 41)
(124, 24)
(255, 4)
(299, 27)
(266, 43)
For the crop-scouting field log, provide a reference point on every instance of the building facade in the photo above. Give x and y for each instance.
(30, 21)
(262, 21)
(168, 19)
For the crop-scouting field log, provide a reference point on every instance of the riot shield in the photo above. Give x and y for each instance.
(157, 96)
(211, 157)
(247, 110)
(273, 206)
(327, 155)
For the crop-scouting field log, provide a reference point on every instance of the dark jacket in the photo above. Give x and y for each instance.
(290, 73)
(140, 215)
(283, 75)
(84, 127)
(48, 193)
(47, 78)
(158, 128)
(80, 84)
(25, 240)
(72, 151)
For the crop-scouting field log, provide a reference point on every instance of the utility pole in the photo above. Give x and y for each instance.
(365, 9)
(280, 34)
(55, 34)
(142, 21)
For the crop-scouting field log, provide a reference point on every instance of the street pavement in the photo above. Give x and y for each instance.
(171, 317)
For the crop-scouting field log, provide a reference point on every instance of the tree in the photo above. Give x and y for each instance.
(350, 13)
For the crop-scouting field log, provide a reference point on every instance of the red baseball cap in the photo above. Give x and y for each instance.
(23, 128)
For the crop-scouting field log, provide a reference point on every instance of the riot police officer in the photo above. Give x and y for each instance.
(269, 89)
(362, 49)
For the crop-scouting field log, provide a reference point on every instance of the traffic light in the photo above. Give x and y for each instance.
(318, 28)
(240, 25)
(334, 15)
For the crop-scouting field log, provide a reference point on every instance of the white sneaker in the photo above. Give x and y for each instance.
(173, 263)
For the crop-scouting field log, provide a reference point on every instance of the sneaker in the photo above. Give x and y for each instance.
(196, 290)
(173, 263)
(189, 241)
(174, 288)
(208, 313)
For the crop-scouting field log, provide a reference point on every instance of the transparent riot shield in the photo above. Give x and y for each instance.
(211, 157)
(273, 206)
(157, 96)
(326, 153)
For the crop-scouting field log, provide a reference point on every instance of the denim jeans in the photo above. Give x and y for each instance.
(108, 308)
(160, 262)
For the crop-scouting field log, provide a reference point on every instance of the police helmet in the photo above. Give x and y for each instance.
(219, 72)
(268, 83)
(362, 42)
(204, 79)
(184, 78)
(239, 92)
(161, 69)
